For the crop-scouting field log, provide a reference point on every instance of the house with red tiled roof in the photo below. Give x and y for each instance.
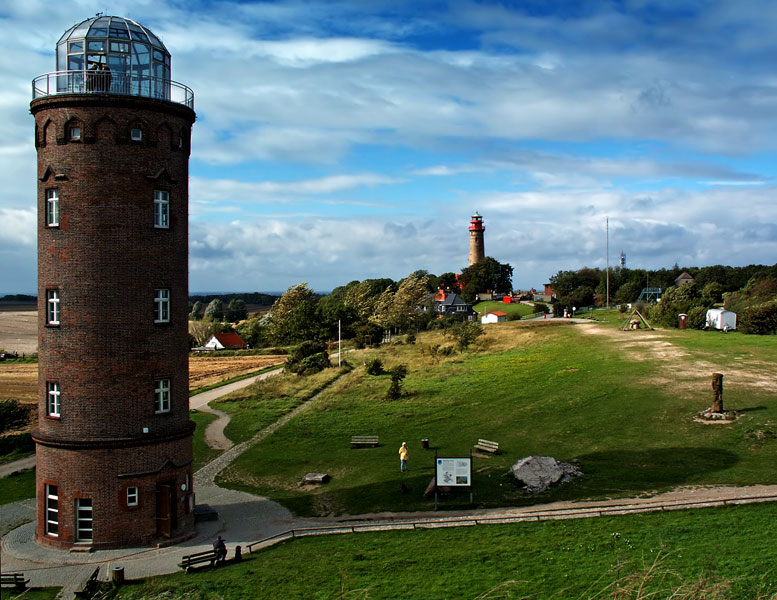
(225, 341)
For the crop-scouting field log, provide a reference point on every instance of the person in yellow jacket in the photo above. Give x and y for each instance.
(403, 452)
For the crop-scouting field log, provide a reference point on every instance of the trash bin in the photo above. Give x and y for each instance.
(682, 321)
(425, 443)
(117, 575)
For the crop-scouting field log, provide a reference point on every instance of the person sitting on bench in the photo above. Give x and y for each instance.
(220, 548)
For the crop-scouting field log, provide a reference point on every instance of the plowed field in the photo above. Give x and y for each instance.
(20, 381)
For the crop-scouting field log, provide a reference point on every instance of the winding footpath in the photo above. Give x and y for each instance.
(245, 518)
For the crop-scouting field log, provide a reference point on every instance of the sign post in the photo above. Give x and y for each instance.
(452, 472)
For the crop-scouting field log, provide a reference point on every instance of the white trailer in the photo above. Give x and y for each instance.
(725, 320)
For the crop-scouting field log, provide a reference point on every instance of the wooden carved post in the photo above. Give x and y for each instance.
(717, 386)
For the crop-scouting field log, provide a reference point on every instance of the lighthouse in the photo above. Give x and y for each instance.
(113, 436)
(477, 252)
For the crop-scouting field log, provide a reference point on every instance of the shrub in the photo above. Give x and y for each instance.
(697, 317)
(514, 317)
(374, 366)
(308, 358)
(398, 373)
(410, 338)
(20, 441)
(759, 320)
(12, 415)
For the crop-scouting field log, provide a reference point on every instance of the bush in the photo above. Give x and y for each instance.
(697, 317)
(514, 317)
(374, 367)
(21, 442)
(368, 335)
(759, 320)
(12, 415)
(410, 338)
(398, 373)
(308, 358)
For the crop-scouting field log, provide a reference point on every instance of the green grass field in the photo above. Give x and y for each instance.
(722, 553)
(17, 486)
(623, 413)
(509, 309)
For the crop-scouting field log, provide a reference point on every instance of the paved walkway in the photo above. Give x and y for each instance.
(17, 465)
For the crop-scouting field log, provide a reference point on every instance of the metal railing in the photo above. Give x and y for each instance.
(106, 82)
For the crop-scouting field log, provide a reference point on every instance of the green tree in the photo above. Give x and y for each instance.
(464, 333)
(197, 311)
(201, 331)
(447, 281)
(236, 310)
(215, 310)
(487, 275)
(254, 331)
(12, 415)
(398, 373)
(308, 358)
(293, 317)
(406, 302)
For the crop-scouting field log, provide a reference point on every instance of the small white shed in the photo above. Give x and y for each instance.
(496, 316)
(717, 318)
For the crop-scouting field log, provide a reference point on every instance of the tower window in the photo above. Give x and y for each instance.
(83, 519)
(136, 134)
(52, 307)
(75, 132)
(52, 399)
(52, 510)
(132, 496)
(161, 306)
(162, 396)
(52, 208)
(161, 209)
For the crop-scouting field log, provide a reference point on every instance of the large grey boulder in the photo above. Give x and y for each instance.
(538, 473)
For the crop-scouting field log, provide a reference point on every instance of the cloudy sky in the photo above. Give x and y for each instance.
(344, 140)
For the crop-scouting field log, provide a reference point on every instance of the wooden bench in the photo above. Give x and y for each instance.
(91, 586)
(364, 440)
(16, 580)
(487, 446)
(200, 558)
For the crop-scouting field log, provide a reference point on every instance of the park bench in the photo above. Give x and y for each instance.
(364, 440)
(16, 580)
(200, 558)
(487, 446)
(91, 586)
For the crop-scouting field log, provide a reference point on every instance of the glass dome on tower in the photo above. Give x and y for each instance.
(112, 55)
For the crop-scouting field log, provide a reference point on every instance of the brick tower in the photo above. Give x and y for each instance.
(477, 251)
(114, 438)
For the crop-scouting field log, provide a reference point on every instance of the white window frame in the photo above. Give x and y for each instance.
(136, 134)
(52, 307)
(161, 209)
(162, 305)
(162, 396)
(84, 516)
(52, 207)
(52, 510)
(53, 404)
(133, 496)
(74, 132)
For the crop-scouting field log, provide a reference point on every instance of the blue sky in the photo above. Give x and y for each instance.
(353, 139)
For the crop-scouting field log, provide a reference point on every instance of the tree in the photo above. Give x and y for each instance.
(236, 310)
(254, 331)
(197, 311)
(487, 275)
(215, 310)
(201, 331)
(398, 373)
(464, 333)
(404, 310)
(447, 281)
(308, 358)
(12, 415)
(293, 318)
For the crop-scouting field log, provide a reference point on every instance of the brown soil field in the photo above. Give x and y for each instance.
(207, 370)
(19, 330)
(20, 381)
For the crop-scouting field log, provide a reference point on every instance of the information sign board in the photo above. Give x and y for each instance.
(454, 472)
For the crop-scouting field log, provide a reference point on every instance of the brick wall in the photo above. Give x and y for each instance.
(106, 258)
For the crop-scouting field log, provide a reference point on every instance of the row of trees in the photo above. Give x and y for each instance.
(588, 286)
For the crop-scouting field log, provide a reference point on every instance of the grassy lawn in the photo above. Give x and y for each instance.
(624, 415)
(730, 550)
(255, 407)
(203, 453)
(17, 486)
(509, 309)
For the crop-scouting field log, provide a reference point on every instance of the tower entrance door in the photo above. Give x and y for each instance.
(166, 516)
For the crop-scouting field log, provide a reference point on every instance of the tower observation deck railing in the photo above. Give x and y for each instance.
(59, 83)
